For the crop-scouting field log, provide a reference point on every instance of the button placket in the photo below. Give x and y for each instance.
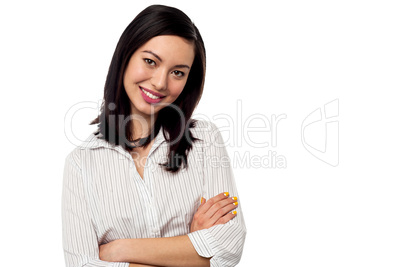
(144, 193)
(146, 188)
(153, 218)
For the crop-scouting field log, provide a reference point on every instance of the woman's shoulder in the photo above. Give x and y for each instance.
(205, 130)
(203, 126)
(92, 142)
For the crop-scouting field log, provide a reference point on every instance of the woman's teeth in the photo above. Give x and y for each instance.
(149, 94)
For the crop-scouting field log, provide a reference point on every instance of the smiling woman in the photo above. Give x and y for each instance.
(157, 73)
(139, 191)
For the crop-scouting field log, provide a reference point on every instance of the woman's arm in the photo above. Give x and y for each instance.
(223, 242)
(172, 251)
(141, 265)
(166, 251)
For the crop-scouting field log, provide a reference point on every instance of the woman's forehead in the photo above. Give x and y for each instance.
(170, 48)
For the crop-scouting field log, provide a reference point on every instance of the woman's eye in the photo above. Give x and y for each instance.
(178, 73)
(150, 62)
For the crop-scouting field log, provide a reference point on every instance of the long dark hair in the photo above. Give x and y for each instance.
(153, 21)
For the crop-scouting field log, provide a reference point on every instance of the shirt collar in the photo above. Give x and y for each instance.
(93, 142)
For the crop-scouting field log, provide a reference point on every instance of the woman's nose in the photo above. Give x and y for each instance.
(159, 79)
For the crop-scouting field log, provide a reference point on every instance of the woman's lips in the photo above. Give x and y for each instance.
(151, 99)
(151, 92)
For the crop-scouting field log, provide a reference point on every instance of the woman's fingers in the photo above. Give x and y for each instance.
(224, 210)
(216, 199)
(226, 218)
(219, 208)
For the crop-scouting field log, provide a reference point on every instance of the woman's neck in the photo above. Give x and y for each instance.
(142, 126)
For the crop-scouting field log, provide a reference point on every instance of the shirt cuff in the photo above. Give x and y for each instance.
(204, 243)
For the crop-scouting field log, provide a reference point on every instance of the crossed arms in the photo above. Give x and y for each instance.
(172, 251)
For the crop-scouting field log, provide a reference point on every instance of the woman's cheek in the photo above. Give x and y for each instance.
(141, 74)
(177, 89)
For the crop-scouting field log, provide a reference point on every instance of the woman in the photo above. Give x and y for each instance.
(131, 192)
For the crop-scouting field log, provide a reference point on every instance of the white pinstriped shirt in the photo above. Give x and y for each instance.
(104, 199)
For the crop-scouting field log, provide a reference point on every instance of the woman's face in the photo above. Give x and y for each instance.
(157, 73)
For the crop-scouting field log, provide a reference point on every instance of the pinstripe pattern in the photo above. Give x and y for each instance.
(104, 199)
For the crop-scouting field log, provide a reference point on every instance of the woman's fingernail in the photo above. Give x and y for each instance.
(236, 203)
(202, 199)
(234, 198)
(234, 212)
(226, 194)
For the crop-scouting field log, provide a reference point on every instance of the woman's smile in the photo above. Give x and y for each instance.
(150, 96)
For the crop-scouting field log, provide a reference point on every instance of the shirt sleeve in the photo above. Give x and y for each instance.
(224, 243)
(80, 243)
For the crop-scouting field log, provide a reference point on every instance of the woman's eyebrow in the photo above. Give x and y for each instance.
(182, 66)
(152, 53)
(155, 55)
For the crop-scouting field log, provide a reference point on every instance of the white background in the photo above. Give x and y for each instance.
(281, 57)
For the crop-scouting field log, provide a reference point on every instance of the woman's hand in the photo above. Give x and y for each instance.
(214, 211)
